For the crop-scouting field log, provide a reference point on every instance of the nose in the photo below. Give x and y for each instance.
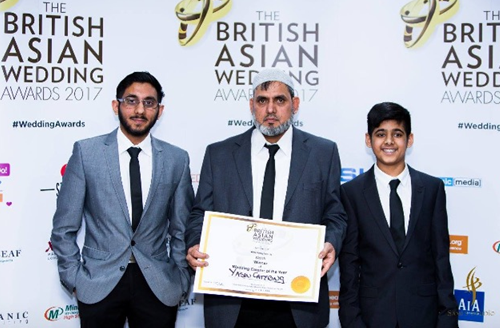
(271, 108)
(140, 108)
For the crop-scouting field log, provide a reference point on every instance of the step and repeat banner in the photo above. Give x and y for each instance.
(61, 62)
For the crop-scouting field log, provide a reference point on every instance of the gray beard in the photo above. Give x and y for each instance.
(274, 130)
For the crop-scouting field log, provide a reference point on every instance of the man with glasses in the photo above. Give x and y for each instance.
(134, 193)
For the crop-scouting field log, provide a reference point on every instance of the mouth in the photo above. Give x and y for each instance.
(389, 150)
(138, 120)
(271, 120)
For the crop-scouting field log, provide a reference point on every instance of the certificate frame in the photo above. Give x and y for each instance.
(259, 258)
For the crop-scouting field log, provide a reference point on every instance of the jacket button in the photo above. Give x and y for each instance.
(132, 243)
(122, 268)
(400, 265)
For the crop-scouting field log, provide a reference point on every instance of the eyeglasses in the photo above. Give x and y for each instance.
(133, 102)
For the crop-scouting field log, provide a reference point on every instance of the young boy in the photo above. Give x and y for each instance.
(394, 264)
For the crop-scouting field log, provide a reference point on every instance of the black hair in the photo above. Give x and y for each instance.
(139, 77)
(387, 111)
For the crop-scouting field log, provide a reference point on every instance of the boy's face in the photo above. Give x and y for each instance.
(389, 142)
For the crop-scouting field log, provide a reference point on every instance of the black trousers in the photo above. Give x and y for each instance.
(131, 299)
(265, 314)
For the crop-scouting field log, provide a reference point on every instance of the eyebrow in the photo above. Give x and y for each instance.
(282, 96)
(386, 130)
(134, 96)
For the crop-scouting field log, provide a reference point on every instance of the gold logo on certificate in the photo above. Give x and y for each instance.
(301, 284)
(422, 16)
(199, 14)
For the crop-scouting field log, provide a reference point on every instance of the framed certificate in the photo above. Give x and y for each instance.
(261, 259)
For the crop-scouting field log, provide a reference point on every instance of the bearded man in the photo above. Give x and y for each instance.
(306, 190)
(134, 194)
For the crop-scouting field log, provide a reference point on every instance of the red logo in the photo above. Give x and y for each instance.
(63, 169)
(496, 247)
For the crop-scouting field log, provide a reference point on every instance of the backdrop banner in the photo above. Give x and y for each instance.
(61, 63)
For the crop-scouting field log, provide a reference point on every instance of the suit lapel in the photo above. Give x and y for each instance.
(417, 197)
(158, 164)
(113, 165)
(300, 154)
(372, 198)
(243, 162)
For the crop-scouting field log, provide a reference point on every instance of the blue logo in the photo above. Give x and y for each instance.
(349, 173)
(461, 182)
(471, 301)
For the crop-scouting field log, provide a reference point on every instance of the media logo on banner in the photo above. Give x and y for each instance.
(4, 172)
(55, 313)
(334, 299)
(263, 39)
(462, 182)
(471, 301)
(51, 256)
(496, 247)
(51, 55)
(58, 184)
(186, 302)
(13, 318)
(349, 173)
(459, 244)
(9, 255)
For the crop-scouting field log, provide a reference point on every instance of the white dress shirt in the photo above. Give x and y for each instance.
(283, 157)
(404, 192)
(145, 164)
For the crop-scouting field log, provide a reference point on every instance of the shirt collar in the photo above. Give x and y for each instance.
(385, 178)
(124, 143)
(285, 142)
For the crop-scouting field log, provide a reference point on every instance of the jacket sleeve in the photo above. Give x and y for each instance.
(447, 305)
(349, 265)
(68, 219)
(179, 210)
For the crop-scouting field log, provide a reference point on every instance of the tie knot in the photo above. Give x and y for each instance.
(394, 184)
(134, 152)
(273, 149)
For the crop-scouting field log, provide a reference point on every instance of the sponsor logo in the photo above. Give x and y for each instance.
(4, 169)
(349, 173)
(198, 14)
(58, 184)
(496, 247)
(7, 256)
(51, 256)
(13, 318)
(471, 301)
(462, 182)
(334, 299)
(421, 18)
(459, 244)
(55, 313)
(186, 302)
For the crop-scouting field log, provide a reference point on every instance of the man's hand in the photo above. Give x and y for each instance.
(194, 256)
(328, 257)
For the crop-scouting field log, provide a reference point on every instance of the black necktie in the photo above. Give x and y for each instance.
(397, 216)
(135, 186)
(267, 197)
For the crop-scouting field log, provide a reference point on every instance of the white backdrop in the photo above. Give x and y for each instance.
(61, 62)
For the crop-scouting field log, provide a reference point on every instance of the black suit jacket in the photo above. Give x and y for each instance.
(313, 196)
(378, 287)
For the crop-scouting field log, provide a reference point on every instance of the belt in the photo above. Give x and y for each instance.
(132, 259)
